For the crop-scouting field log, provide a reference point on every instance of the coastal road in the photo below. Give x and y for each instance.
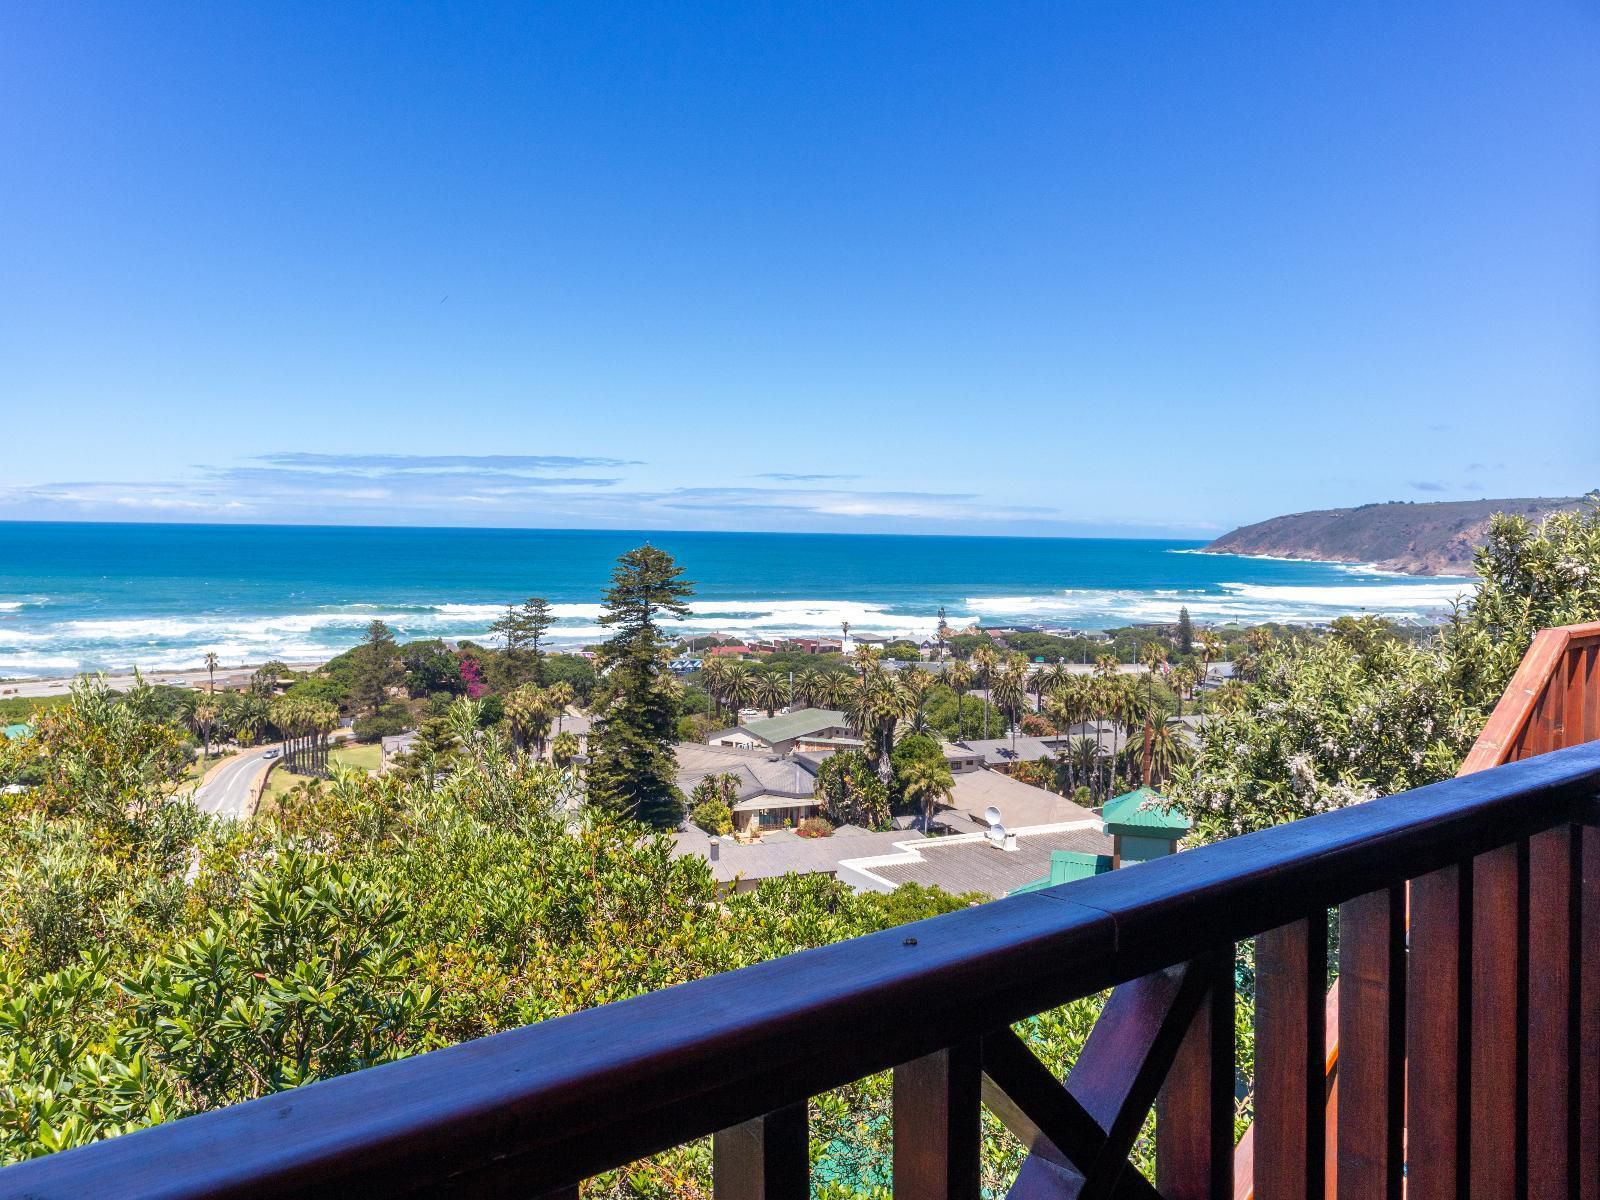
(229, 788)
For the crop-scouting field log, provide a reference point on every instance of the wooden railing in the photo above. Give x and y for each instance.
(1495, 1014)
(1552, 703)
(1553, 700)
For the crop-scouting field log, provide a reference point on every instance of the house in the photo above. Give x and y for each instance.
(739, 867)
(809, 645)
(771, 790)
(1019, 804)
(975, 862)
(576, 723)
(392, 747)
(779, 734)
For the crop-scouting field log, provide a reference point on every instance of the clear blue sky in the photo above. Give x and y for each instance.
(1102, 268)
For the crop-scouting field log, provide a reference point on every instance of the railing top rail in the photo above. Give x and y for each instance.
(539, 1107)
(1522, 695)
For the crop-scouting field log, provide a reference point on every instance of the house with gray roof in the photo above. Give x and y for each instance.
(779, 734)
(740, 867)
(772, 789)
(975, 862)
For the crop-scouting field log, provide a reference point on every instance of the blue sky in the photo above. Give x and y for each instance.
(1058, 268)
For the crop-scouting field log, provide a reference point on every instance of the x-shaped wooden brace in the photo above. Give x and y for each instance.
(1079, 1135)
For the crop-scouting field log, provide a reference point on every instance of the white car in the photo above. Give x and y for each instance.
(273, 753)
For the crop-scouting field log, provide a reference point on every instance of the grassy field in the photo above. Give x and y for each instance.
(354, 756)
(16, 710)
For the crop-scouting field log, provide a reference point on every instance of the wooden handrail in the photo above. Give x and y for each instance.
(538, 1109)
(1553, 701)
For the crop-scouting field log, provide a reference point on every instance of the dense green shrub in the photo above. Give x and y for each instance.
(715, 817)
(388, 721)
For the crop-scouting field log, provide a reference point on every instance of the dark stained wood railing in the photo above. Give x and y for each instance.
(535, 1111)
(1552, 703)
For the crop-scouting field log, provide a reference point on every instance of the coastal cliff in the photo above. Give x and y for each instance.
(1419, 539)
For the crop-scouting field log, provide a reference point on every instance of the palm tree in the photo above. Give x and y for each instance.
(959, 678)
(529, 711)
(743, 687)
(1084, 756)
(714, 678)
(564, 748)
(984, 660)
(254, 712)
(1183, 679)
(928, 784)
(561, 695)
(772, 691)
(876, 706)
(1010, 689)
(1054, 677)
(1160, 748)
(809, 686)
(917, 683)
(203, 718)
(212, 662)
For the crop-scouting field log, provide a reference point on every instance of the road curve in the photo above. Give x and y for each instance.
(229, 789)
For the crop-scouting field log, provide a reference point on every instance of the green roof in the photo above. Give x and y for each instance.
(1067, 866)
(18, 731)
(1144, 811)
(796, 724)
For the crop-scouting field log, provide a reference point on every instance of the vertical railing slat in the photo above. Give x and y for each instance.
(768, 1158)
(1371, 1048)
(1495, 1070)
(1550, 1013)
(937, 1131)
(1589, 683)
(1290, 1060)
(1195, 1108)
(1437, 999)
(1587, 1157)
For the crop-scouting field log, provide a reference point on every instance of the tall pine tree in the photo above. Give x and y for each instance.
(1185, 632)
(633, 767)
(522, 629)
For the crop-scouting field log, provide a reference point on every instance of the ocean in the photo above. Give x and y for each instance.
(78, 597)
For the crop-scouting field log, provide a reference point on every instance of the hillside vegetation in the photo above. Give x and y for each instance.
(1419, 539)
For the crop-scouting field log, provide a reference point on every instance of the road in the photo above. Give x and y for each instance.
(229, 789)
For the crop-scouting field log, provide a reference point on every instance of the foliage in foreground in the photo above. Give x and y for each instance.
(158, 967)
(1327, 722)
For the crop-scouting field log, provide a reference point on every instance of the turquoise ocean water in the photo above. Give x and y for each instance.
(83, 596)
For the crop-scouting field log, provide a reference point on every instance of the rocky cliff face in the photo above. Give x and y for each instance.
(1419, 539)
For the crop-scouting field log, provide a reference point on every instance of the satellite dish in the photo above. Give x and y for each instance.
(992, 815)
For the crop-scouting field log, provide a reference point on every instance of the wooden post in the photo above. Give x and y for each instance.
(1194, 1113)
(937, 1134)
(764, 1159)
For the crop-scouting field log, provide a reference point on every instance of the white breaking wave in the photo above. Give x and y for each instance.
(1242, 602)
(165, 643)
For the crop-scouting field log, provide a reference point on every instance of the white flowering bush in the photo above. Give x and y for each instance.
(1330, 721)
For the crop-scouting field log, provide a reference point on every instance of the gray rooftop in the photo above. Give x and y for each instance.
(790, 725)
(760, 772)
(787, 853)
(971, 864)
(1020, 804)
